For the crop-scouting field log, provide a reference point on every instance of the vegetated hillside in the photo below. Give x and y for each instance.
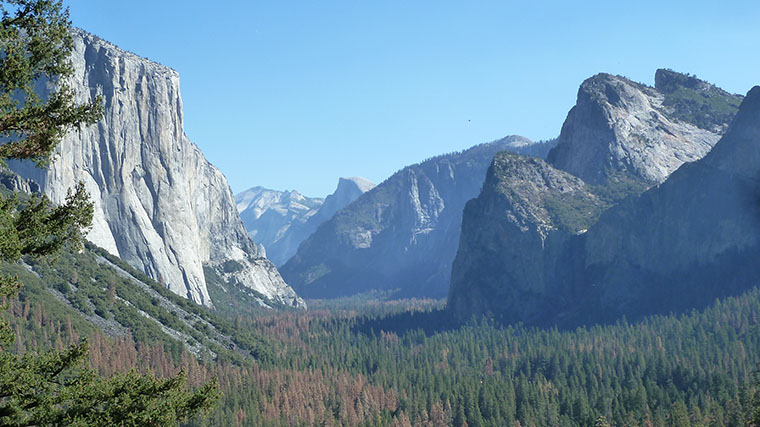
(94, 291)
(623, 130)
(280, 220)
(696, 101)
(399, 238)
(675, 247)
(405, 362)
(158, 203)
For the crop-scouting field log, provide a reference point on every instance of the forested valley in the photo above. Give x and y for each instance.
(364, 362)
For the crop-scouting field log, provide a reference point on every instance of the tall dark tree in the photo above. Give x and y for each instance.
(57, 387)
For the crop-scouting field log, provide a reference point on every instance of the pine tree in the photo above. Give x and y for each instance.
(54, 387)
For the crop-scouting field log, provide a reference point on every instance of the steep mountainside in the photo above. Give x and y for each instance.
(505, 254)
(401, 236)
(621, 130)
(92, 291)
(159, 204)
(677, 246)
(281, 220)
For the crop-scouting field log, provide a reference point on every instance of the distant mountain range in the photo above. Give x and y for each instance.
(540, 245)
(280, 220)
(399, 238)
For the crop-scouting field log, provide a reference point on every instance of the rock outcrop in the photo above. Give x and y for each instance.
(620, 129)
(281, 220)
(399, 238)
(13, 183)
(159, 204)
(677, 246)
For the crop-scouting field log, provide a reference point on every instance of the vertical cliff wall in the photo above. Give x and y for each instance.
(159, 204)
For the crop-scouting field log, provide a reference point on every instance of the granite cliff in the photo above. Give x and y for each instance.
(159, 204)
(620, 130)
(399, 238)
(511, 236)
(280, 220)
(677, 246)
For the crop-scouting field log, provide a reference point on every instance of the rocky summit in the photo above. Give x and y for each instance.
(280, 220)
(159, 204)
(677, 246)
(623, 130)
(399, 238)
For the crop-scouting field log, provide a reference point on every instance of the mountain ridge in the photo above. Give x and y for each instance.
(399, 238)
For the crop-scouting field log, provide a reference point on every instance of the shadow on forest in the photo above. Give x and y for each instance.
(429, 322)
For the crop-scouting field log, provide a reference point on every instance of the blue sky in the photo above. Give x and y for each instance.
(294, 94)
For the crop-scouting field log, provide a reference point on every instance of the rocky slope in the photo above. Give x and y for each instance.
(622, 130)
(159, 204)
(280, 220)
(678, 246)
(400, 237)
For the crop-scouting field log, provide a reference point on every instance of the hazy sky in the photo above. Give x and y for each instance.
(292, 95)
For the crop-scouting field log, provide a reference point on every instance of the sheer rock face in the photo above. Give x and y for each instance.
(281, 220)
(159, 204)
(13, 183)
(507, 264)
(677, 246)
(621, 127)
(400, 237)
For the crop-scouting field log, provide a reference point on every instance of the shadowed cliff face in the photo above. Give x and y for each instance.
(507, 264)
(400, 237)
(622, 128)
(677, 246)
(159, 204)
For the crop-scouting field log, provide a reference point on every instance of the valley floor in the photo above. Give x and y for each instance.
(373, 363)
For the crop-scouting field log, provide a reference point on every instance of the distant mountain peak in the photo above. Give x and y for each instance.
(361, 183)
(280, 220)
(517, 141)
